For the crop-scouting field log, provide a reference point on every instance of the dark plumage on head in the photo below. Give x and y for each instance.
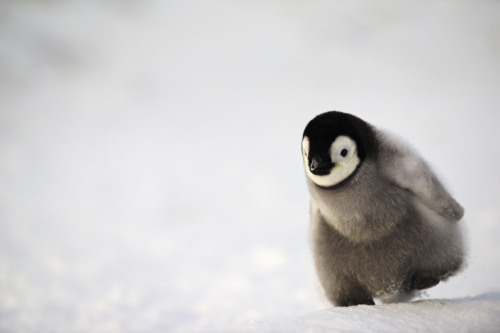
(326, 127)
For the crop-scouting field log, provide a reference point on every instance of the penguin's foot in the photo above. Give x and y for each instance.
(422, 281)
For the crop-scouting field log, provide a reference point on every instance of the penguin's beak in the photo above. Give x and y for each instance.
(320, 165)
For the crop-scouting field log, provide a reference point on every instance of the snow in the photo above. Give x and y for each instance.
(150, 167)
(479, 314)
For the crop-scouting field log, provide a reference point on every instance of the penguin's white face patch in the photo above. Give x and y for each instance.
(344, 157)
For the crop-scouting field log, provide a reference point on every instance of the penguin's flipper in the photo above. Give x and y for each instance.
(403, 166)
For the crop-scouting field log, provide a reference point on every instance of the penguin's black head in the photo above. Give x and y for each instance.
(333, 145)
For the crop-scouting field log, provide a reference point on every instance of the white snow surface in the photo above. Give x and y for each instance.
(150, 167)
(477, 314)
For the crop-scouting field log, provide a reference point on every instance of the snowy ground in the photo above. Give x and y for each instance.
(150, 168)
(472, 314)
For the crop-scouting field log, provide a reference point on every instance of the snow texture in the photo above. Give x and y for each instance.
(479, 314)
(150, 167)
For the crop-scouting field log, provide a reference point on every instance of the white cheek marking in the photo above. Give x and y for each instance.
(344, 167)
(305, 146)
(342, 142)
(305, 151)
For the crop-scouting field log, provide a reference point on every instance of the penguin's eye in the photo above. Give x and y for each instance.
(344, 152)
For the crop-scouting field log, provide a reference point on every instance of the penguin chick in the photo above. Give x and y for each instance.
(382, 224)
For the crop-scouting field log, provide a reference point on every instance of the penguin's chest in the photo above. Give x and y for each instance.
(366, 214)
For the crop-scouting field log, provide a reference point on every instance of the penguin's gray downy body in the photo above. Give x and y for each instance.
(382, 224)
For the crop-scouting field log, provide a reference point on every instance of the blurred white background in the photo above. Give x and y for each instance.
(150, 168)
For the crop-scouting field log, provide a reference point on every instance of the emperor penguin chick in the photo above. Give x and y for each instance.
(382, 224)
